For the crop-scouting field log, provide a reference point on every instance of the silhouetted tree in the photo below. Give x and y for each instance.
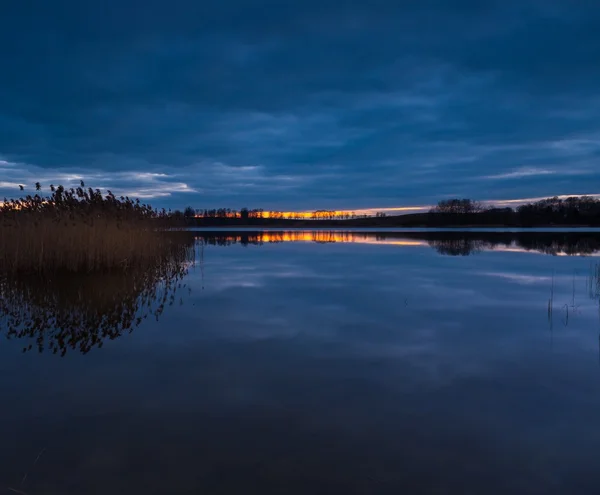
(457, 206)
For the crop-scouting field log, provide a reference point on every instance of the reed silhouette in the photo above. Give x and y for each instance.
(594, 281)
(79, 229)
(80, 310)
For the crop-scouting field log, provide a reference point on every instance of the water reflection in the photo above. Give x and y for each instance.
(594, 281)
(334, 368)
(566, 311)
(79, 311)
(444, 242)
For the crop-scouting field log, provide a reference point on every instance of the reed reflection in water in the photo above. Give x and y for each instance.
(356, 367)
(79, 311)
(61, 311)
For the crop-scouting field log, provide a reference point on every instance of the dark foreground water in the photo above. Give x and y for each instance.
(311, 363)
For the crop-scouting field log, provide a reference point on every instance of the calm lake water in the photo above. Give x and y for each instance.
(311, 363)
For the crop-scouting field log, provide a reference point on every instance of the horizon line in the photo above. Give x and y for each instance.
(423, 208)
(413, 209)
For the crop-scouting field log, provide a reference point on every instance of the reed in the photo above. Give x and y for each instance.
(551, 300)
(79, 229)
(594, 281)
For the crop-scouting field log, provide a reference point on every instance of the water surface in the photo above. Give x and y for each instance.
(311, 362)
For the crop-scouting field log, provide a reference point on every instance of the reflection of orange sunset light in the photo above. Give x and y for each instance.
(375, 239)
(324, 237)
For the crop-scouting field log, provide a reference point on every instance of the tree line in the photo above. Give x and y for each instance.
(246, 213)
(575, 210)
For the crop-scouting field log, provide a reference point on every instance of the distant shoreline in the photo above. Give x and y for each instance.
(424, 221)
(573, 212)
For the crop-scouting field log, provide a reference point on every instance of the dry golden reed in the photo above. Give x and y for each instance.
(79, 229)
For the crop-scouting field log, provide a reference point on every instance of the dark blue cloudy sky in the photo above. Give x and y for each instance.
(302, 104)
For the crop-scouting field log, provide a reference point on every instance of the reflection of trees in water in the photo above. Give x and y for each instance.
(551, 243)
(453, 243)
(459, 247)
(79, 311)
(567, 244)
(267, 237)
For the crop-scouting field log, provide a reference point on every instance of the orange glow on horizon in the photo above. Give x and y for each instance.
(340, 214)
(393, 210)
(325, 214)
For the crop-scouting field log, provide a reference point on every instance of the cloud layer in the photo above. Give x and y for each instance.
(302, 105)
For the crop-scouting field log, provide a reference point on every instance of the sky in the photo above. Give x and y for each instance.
(302, 105)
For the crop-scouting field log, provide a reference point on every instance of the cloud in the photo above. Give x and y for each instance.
(8, 185)
(143, 185)
(303, 105)
(521, 201)
(521, 172)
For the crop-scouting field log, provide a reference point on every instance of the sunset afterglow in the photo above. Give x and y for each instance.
(374, 239)
(326, 237)
(318, 214)
(313, 246)
(321, 237)
(339, 214)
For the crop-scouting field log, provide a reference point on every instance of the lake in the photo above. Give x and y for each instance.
(311, 363)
